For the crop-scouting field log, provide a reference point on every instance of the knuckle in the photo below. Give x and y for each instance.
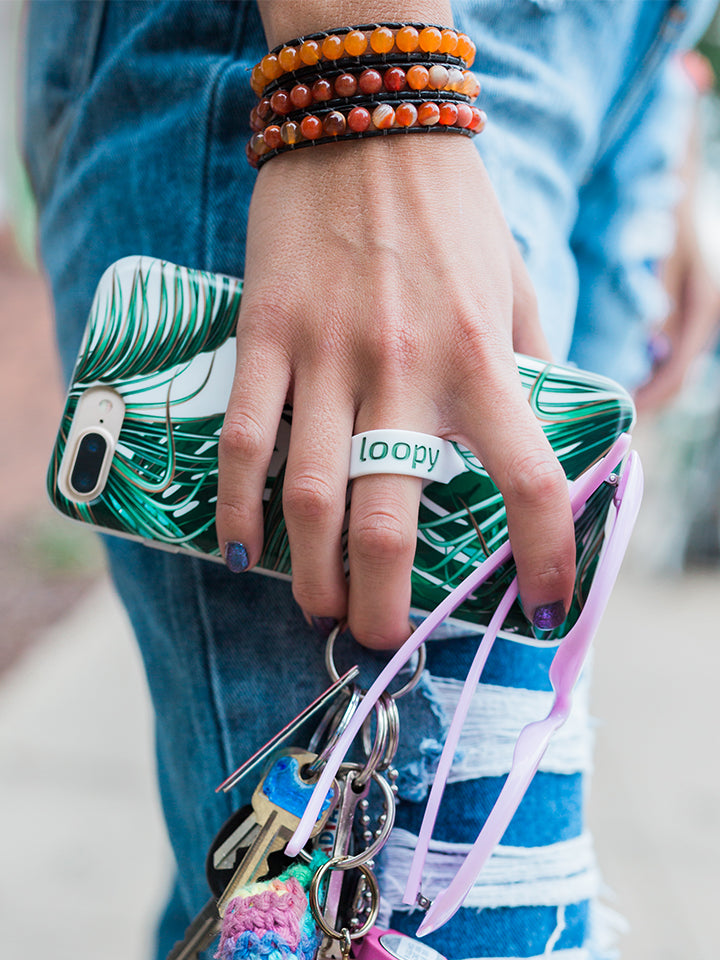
(552, 577)
(308, 498)
(535, 477)
(242, 438)
(234, 514)
(395, 348)
(382, 537)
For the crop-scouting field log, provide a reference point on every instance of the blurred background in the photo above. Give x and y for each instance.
(83, 856)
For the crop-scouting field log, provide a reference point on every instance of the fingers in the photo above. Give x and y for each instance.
(521, 462)
(314, 495)
(246, 445)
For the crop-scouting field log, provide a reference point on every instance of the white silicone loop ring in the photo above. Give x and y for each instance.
(405, 452)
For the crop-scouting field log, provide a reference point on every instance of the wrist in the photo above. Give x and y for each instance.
(285, 19)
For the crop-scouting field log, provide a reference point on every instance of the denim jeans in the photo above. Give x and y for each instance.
(136, 123)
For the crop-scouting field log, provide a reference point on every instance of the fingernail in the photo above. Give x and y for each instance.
(236, 556)
(549, 616)
(324, 625)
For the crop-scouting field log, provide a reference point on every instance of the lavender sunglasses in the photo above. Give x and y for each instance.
(534, 738)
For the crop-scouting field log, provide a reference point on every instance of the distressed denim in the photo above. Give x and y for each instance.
(135, 129)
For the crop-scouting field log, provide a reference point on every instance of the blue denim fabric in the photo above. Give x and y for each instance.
(136, 123)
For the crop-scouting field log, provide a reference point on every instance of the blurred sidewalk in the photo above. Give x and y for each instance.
(77, 780)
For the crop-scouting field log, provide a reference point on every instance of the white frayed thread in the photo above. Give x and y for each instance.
(557, 932)
(496, 717)
(553, 875)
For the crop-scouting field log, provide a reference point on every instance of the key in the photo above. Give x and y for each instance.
(350, 796)
(278, 803)
(199, 935)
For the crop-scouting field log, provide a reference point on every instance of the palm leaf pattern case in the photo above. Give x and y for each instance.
(162, 336)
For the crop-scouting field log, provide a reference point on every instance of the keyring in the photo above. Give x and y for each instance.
(340, 864)
(347, 862)
(406, 688)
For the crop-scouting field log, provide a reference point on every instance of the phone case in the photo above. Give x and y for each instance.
(158, 356)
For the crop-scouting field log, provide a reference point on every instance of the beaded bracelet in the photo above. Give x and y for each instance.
(360, 122)
(394, 83)
(409, 39)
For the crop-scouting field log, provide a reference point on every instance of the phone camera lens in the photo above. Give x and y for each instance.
(88, 463)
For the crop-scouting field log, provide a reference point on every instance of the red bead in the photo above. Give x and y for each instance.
(465, 116)
(428, 114)
(448, 114)
(280, 102)
(358, 120)
(256, 123)
(346, 85)
(322, 90)
(394, 79)
(406, 115)
(370, 82)
(301, 96)
(334, 123)
(272, 136)
(311, 127)
(252, 157)
(264, 109)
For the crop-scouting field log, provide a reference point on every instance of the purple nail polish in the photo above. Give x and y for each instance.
(236, 556)
(550, 616)
(324, 625)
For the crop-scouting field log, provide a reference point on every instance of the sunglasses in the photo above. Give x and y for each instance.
(621, 470)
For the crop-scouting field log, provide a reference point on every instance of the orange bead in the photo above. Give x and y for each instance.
(382, 40)
(455, 79)
(417, 77)
(311, 127)
(272, 136)
(333, 47)
(479, 120)
(355, 43)
(448, 114)
(464, 115)
(289, 59)
(407, 39)
(257, 80)
(310, 52)
(271, 66)
(465, 49)
(470, 85)
(430, 39)
(290, 132)
(358, 120)
(406, 115)
(448, 42)
(258, 144)
(428, 114)
(383, 116)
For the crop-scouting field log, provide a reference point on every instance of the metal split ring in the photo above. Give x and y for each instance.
(339, 863)
(337, 724)
(406, 688)
(348, 862)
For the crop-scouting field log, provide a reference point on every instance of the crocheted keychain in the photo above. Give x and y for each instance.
(272, 919)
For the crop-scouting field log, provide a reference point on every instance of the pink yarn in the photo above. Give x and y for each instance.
(279, 908)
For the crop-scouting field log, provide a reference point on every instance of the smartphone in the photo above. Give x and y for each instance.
(136, 451)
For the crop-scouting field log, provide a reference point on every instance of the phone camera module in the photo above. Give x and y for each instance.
(88, 463)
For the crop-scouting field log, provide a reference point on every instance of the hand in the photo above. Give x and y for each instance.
(383, 289)
(689, 328)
